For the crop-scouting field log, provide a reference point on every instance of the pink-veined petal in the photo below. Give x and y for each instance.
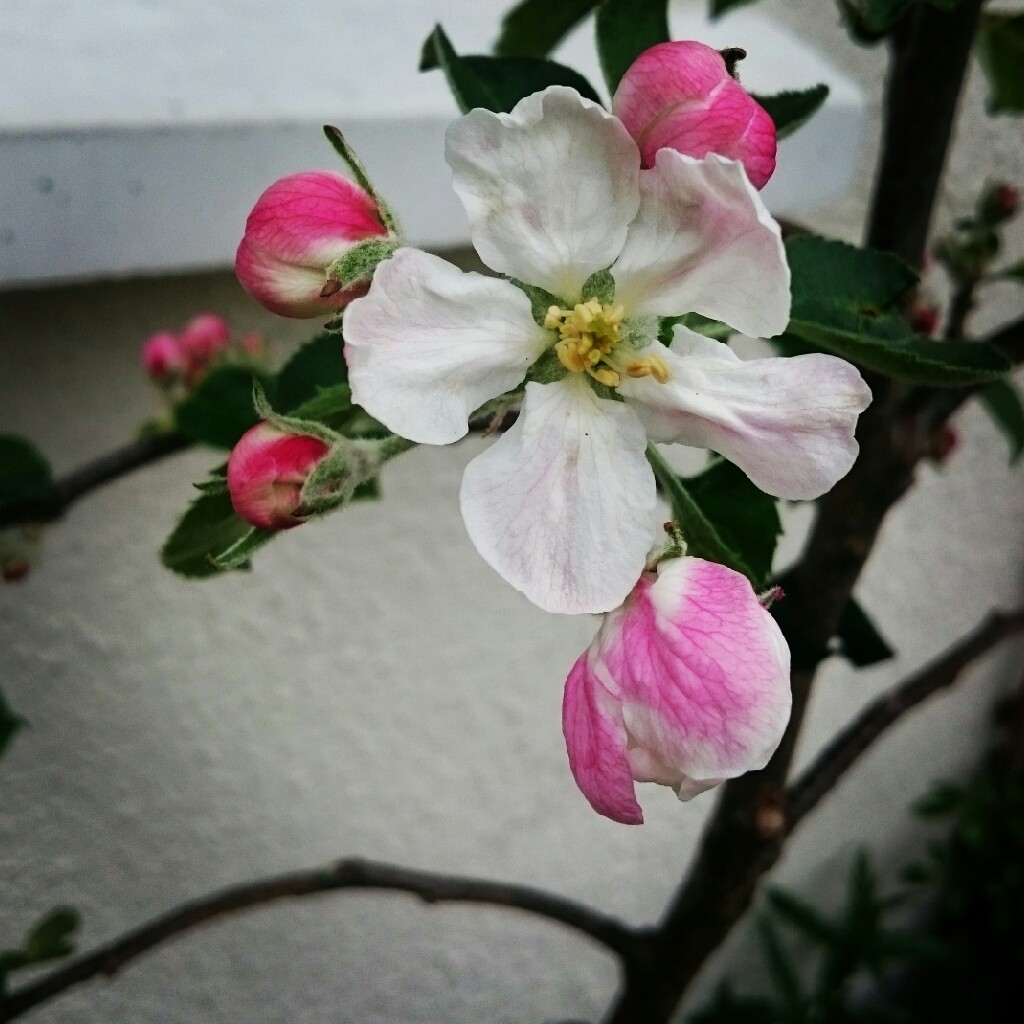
(687, 684)
(562, 505)
(550, 189)
(429, 344)
(704, 242)
(788, 423)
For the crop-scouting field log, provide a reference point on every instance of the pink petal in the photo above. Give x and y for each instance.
(680, 96)
(687, 684)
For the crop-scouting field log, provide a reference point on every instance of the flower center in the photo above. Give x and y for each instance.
(589, 341)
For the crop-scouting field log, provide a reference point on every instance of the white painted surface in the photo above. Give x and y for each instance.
(135, 135)
(373, 689)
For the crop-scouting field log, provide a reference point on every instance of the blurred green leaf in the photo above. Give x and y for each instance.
(744, 517)
(1002, 401)
(533, 28)
(25, 473)
(802, 916)
(220, 410)
(860, 641)
(206, 531)
(51, 937)
(792, 110)
(237, 556)
(719, 7)
(781, 967)
(701, 535)
(1000, 48)
(625, 28)
(317, 365)
(496, 83)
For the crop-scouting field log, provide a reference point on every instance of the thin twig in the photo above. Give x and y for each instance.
(86, 478)
(835, 760)
(345, 874)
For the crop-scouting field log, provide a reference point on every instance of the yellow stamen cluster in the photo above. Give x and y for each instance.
(589, 334)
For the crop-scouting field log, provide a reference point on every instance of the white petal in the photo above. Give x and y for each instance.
(563, 504)
(787, 423)
(429, 344)
(704, 242)
(550, 189)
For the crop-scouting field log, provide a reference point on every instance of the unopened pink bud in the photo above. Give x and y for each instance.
(944, 444)
(924, 319)
(163, 357)
(296, 230)
(681, 96)
(14, 571)
(203, 338)
(266, 471)
(1007, 198)
(252, 344)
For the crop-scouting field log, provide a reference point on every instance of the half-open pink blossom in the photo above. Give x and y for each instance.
(681, 96)
(296, 230)
(266, 471)
(163, 357)
(686, 684)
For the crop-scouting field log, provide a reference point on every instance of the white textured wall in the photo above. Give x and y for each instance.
(374, 689)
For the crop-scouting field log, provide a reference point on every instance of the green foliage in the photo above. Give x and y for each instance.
(745, 518)
(871, 20)
(25, 474)
(51, 938)
(792, 110)
(10, 723)
(207, 531)
(220, 410)
(844, 302)
(1002, 401)
(625, 28)
(535, 27)
(1000, 48)
(496, 83)
(860, 641)
(695, 322)
(722, 516)
(1014, 272)
(315, 366)
(239, 554)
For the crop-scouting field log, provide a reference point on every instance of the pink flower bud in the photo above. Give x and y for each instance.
(252, 345)
(266, 471)
(296, 230)
(944, 444)
(163, 357)
(681, 96)
(686, 684)
(924, 319)
(203, 338)
(1007, 198)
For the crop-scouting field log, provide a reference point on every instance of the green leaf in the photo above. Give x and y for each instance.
(238, 555)
(10, 723)
(701, 535)
(792, 110)
(50, 938)
(625, 28)
(829, 270)
(1014, 272)
(318, 364)
(860, 641)
(745, 518)
(1002, 401)
(842, 303)
(207, 530)
(719, 7)
(25, 474)
(801, 916)
(780, 966)
(1000, 48)
(868, 21)
(333, 408)
(496, 83)
(220, 410)
(695, 322)
(534, 28)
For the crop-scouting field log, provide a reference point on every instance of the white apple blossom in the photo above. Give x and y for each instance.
(563, 504)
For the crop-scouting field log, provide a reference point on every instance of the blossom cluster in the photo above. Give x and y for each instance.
(607, 229)
(180, 361)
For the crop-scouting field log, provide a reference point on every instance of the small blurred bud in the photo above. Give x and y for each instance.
(945, 442)
(14, 571)
(253, 345)
(266, 472)
(924, 319)
(163, 357)
(298, 228)
(998, 204)
(203, 339)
